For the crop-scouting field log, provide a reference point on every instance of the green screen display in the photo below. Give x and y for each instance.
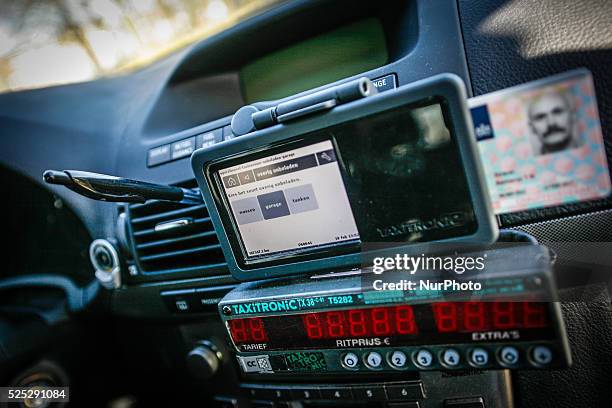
(317, 61)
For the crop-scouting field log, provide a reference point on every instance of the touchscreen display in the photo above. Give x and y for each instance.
(294, 200)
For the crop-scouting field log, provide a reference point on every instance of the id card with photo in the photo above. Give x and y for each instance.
(541, 143)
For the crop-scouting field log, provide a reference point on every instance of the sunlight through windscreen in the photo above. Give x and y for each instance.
(50, 42)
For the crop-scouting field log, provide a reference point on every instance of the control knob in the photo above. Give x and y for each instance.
(204, 360)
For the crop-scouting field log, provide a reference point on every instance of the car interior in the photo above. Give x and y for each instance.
(144, 269)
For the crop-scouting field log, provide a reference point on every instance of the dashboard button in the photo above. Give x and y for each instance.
(258, 392)
(423, 358)
(255, 364)
(183, 148)
(182, 301)
(384, 83)
(227, 133)
(541, 355)
(451, 357)
(509, 355)
(336, 393)
(305, 394)
(350, 360)
(158, 155)
(398, 359)
(370, 393)
(209, 138)
(479, 357)
(282, 393)
(405, 391)
(373, 360)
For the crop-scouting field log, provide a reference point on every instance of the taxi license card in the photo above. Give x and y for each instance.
(541, 143)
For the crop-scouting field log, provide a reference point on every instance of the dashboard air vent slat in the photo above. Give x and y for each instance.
(169, 241)
(179, 253)
(196, 209)
(150, 232)
(172, 237)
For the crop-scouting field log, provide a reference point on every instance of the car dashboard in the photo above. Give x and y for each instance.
(160, 332)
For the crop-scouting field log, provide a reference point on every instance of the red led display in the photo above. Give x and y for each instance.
(374, 322)
(483, 316)
(403, 321)
(250, 330)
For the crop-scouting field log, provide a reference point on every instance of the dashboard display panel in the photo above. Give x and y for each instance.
(290, 201)
(400, 325)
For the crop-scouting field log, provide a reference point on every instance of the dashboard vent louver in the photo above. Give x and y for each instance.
(170, 238)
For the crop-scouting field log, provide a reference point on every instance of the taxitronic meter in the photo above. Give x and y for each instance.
(338, 324)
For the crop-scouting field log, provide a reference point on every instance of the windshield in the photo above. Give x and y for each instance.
(51, 42)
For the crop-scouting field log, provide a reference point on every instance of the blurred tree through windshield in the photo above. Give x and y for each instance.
(50, 42)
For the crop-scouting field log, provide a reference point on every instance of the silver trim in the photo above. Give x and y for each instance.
(109, 277)
(307, 110)
(366, 87)
(168, 225)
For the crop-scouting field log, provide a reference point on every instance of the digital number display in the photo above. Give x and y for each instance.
(393, 325)
(378, 321)
(484, 316)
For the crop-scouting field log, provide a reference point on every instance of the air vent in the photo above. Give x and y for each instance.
(172, 238)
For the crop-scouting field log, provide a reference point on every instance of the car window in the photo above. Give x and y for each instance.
(51, 42)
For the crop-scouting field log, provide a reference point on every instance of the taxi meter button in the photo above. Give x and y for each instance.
(479, 357)
(373, 360)
(509, 355)
(350, 360)
(398, 359)
(423, 358)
